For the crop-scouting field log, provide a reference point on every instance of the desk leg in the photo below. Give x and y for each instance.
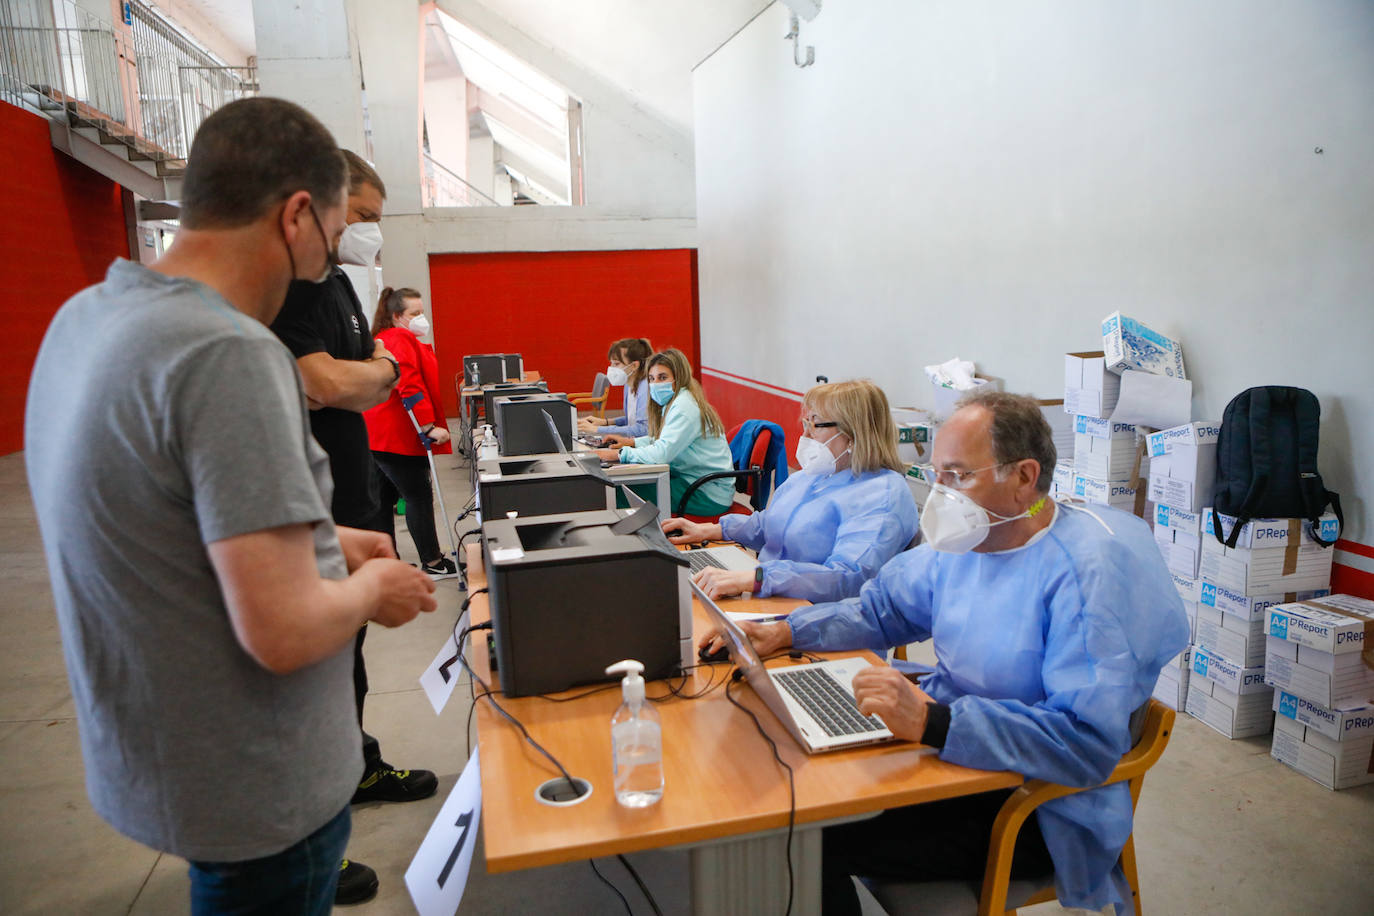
(749, 876)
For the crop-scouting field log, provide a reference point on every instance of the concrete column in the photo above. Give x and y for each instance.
(482, 165)
(305, 54)
(446, 117)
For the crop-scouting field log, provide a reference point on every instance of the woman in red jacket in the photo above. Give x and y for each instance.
(400, 322)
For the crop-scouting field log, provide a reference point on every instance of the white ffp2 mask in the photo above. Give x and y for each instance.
(815, 458)
(953, 523)
(360, 244)
(419, 325)
(616, 375)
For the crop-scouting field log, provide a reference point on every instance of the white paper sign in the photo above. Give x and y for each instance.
(438, 874)
(443, 673)
(1156, 401)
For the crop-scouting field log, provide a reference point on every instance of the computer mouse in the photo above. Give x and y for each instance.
(674, 532)
(720, 655)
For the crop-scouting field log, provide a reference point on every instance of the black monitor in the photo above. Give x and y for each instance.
(484, 369)
(515, 365)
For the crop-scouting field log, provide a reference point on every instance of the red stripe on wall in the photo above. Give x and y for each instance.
(65, 225)
(753, 382)
(1353, 547)
(1347, 580)
(560, 309)
(736, 403)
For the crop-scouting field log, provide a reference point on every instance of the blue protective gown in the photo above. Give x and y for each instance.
(1043, 654)
(822, 538)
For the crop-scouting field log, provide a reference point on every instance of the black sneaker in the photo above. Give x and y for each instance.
(357, 883)
(385, 784)
(442, 569)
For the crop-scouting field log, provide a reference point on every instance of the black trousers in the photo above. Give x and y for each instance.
(408, 476)
(939, 841)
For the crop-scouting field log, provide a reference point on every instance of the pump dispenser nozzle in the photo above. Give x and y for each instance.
(632, 685)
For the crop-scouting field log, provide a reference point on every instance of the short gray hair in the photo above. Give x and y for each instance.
(1019, 431)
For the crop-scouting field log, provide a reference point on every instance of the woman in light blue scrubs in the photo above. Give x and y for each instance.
(629, 359)
(830, 528)
(685, 433)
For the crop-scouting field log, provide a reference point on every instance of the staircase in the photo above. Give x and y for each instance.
(123, 100)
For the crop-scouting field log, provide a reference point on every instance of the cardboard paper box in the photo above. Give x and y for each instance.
(1336, 724)
(1189, 589)
(1334, 764)
(1192, 435)
(1176, 519)
(1248, 607)
(1107, 459)
(1104, 429)
(947, 398)
(1300, 566)
(1181, 557)
(1105, 492)
(1233, 715)
(1271, 532)
(1338, 624)
(1128, 344)
(1324, 678)
(1088, 387)
(1238, 641)
(1232, 677)
(1171, 691)
(1185, 477)
(1063, 478)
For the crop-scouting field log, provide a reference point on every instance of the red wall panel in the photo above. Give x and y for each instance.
(64, 224)
(737, 399)
(561, 309)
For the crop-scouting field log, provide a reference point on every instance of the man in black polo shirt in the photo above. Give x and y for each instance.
(345, 372)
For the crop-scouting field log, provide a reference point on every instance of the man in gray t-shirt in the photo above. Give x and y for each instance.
(207, 603)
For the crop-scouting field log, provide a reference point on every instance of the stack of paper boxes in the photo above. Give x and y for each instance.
(1183, 463)
(1104, 462)
(1172, 687)
(1274, 560)
(1318, 658)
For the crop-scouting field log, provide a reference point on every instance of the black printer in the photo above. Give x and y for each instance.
(499, 389)
(522, 423)
(541, 485)
(547, 581)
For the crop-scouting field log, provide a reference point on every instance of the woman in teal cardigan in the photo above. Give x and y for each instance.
(685, 433)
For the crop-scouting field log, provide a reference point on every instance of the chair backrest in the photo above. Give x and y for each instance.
(600, 385)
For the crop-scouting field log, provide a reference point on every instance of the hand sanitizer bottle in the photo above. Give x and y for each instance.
(636, 741)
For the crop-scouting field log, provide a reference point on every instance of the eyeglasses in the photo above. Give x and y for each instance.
(960, 480)
(818, 424)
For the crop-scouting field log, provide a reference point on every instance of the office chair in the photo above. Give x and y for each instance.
(594, 400)
(998, 893)
(753, 477)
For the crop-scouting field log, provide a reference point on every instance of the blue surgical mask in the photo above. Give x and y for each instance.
(661, 393)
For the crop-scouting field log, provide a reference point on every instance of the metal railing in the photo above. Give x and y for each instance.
(143, 76)
(441, 187)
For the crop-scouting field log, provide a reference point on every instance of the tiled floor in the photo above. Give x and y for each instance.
(1221, 827)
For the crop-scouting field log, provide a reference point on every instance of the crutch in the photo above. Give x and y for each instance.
(409, 404)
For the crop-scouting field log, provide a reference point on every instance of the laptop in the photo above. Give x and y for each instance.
(726, 556)
(814, 702)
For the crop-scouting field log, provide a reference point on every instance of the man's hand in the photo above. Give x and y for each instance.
(588, 426)
(438, 435)
(724, 583)
(885, 692)
(768, 638)
(359, 546)
(380, 351)
(403, 591)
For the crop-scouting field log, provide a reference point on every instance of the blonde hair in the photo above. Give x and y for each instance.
(861, 410)
(677, 364)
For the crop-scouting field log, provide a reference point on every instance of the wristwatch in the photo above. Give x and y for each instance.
(758, 578)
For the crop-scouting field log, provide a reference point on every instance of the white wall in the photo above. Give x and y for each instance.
(989, 179)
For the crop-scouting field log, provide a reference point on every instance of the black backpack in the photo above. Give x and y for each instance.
(1267, 462)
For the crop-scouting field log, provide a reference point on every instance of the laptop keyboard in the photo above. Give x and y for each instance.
(830, 704)
(700, 559)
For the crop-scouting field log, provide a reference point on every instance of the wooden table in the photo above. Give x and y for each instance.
(724, 796)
